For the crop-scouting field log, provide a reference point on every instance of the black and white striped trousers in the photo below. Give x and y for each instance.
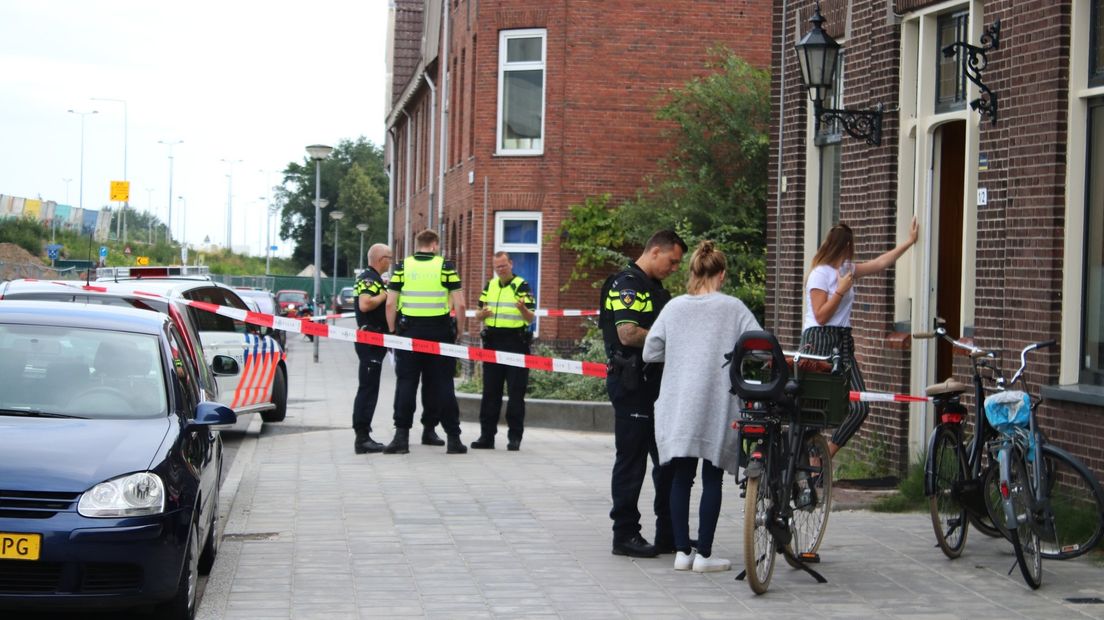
(821, 341)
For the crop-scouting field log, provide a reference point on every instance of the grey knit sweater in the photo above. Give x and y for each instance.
(694, 413)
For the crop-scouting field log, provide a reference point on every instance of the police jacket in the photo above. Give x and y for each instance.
(423, 282)
(370, 283)
(629, 296)
(502, 300)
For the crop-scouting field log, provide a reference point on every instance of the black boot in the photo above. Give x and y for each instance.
(363, 444)
(430, 437)
(483, 443)
(400, 444)
(455, 446)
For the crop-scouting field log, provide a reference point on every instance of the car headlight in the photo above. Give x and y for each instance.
(132, 495)
(291, 306)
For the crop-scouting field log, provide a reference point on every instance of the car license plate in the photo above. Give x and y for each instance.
(20, 546)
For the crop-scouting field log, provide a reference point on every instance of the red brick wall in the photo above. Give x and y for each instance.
(1020, 233)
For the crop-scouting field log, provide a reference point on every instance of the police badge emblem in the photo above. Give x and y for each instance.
(628, 296)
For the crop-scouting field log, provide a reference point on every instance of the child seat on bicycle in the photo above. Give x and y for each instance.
(759, 388)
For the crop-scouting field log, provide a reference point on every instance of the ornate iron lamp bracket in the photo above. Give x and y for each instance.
(976, 61)
(859, 124)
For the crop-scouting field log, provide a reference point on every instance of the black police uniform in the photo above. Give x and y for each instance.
(511, 340)
(436, 372)
(631, 296)
(369, 282)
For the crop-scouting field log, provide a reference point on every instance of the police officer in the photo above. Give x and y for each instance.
(630, 301)
(506, 309)
(371, 315)
(419, 296)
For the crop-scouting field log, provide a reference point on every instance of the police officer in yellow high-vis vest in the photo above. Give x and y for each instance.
(506, 309)
(423, 290)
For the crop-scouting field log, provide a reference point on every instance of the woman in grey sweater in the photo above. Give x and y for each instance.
(694, 412)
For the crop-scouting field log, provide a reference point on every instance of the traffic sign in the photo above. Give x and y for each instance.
(103, 251)
(52, 250)
(141, 260)
(126, 250)
(273, 248)
(120, 191)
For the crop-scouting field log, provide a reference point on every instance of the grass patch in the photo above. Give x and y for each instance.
(909, 496)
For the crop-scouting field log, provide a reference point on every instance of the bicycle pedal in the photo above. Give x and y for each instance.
(809, 557)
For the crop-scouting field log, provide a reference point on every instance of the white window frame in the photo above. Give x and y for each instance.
(501, 218)
(503, 37)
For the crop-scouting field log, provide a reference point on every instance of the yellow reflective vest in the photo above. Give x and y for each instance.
(422, 293)
(502, 300)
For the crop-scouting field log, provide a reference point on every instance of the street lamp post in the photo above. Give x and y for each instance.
(336, 215)
(170, 144)
(184, 220)
(272, 210)
(360, 263)
(82, 115)
(53, 220)
(318, 152)
(126, 203)
(67, 182)
(230, 202)
(149, 212)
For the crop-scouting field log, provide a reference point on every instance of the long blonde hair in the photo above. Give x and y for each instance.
(838, 246)
(706, 262)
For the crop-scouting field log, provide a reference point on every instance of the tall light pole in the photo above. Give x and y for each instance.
(184, 217)
(337, 215)
(170, 144)
(272, 210)
(82, 115)
(360, 263)
(230, 202)
(126, 203)
(149, 212)
(67, 182)
(318, 152)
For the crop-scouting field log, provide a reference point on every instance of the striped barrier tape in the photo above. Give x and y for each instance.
(879, 397)
(311, 328)
(471, 314)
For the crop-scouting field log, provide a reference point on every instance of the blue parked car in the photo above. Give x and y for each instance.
(109, 467)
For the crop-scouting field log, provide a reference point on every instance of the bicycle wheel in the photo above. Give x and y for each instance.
(1076, 502)
(812, 497)
(758, 540)
(947, 467)
(1025, 537)
(987, 524)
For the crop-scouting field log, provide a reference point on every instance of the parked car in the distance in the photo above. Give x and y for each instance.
(109, 467)
(346, 300)
(295, 304)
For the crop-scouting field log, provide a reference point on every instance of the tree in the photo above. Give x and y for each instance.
(353, 180)
(711, 185)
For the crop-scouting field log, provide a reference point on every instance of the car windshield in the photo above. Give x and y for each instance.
(347, 291)
(57, 371)
(295, 297)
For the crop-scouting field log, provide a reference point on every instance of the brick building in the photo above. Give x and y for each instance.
(542, 104)
(1011, 212)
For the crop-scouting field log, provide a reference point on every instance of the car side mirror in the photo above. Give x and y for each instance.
(212, 414)
(224, 366)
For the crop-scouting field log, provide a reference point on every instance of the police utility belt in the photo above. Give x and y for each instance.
(519, 334)
(629, 367)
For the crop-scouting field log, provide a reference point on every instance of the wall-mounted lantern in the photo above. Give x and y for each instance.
(818, 54)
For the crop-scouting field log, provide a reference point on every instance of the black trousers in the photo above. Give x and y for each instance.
(634, 440)
(367, 394)
(435, 372)
(516, 380)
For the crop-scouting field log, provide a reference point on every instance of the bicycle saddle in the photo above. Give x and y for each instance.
(761, 344)
(950, 386)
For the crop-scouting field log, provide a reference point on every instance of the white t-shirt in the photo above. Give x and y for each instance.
(826, 278)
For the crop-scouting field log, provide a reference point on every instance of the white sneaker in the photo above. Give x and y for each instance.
(703, 564)
(683, 561)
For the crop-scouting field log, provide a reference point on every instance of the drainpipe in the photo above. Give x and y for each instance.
(409, 159)
(445, 43)
(391, 189)
(429, 168)
(778, 174)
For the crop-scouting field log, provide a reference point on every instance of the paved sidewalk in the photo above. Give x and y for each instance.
(316, 531)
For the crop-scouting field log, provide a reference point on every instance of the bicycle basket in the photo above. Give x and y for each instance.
(824, 398)
(1008, 410)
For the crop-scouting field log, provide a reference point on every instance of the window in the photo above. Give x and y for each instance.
(950, 83)
(209, 321)
(521, 92)
(831, 133)
(1096, 50)
(1092, 321)
(519, 233)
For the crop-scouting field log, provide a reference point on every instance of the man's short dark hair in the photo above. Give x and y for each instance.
(665, 240)
(426, 238)
(502, 254)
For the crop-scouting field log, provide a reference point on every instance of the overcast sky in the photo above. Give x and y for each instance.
(233, 79)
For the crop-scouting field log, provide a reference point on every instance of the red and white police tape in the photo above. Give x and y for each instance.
(477, 354)
(471, 313)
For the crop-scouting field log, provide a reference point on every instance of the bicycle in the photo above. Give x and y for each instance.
(787, 483)
(1070, 502)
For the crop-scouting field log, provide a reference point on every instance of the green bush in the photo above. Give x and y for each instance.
(27, 234)
(910, 492)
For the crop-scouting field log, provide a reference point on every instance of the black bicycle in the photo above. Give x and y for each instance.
(787, 478)
(1069, 512)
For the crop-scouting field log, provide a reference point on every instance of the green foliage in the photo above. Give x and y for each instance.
(860, 465)
(910, 492)
(352, 181)
(27, 234)
(711, 185)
